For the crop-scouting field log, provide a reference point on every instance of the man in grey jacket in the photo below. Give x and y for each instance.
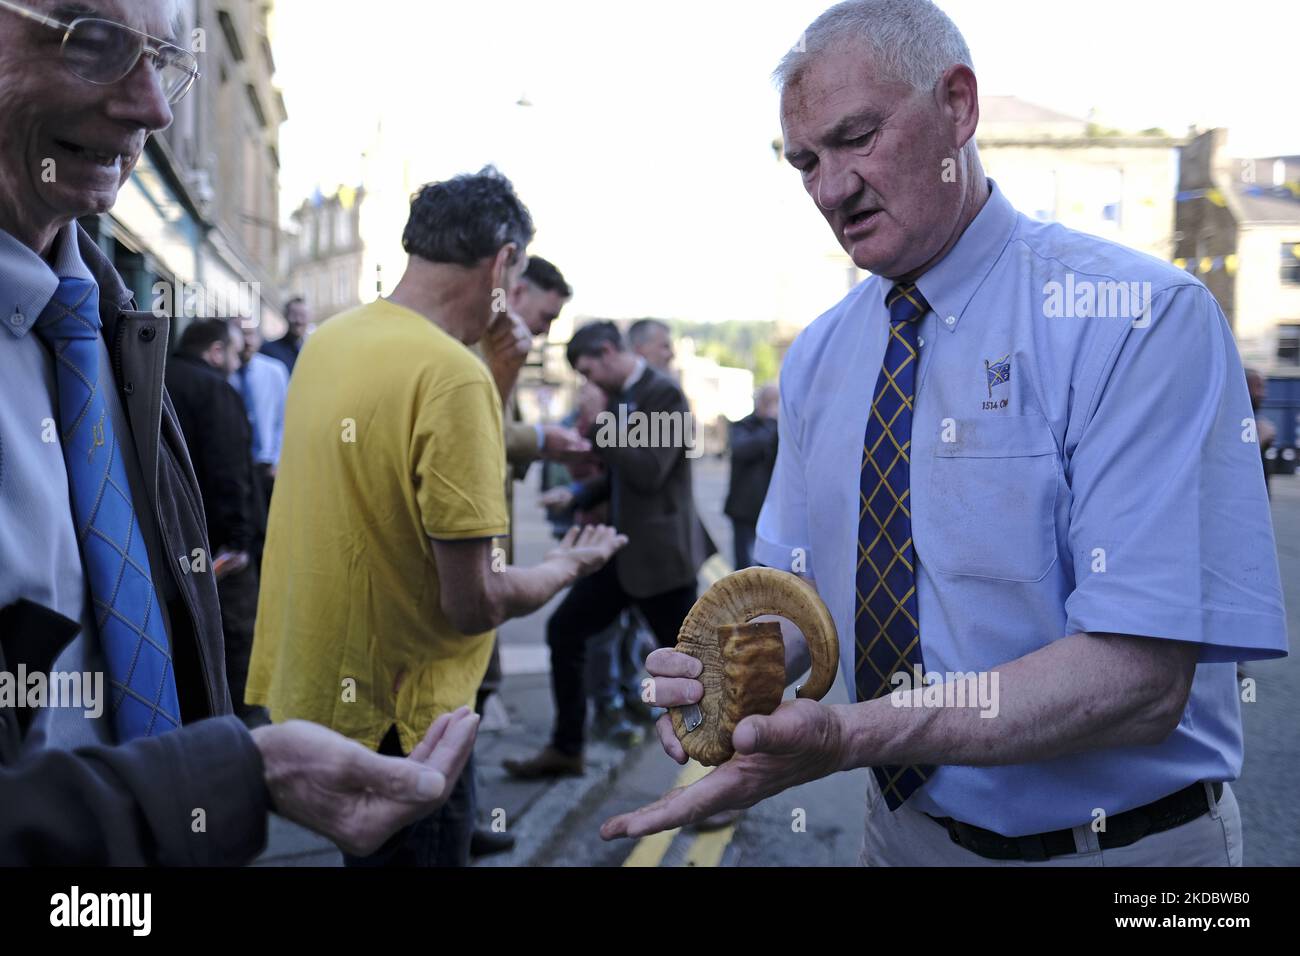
(648, 486)
(107, 570)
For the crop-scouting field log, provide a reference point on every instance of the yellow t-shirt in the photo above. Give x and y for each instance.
(392, 435)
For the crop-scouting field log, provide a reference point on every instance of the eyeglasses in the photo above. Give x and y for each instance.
(104, 51)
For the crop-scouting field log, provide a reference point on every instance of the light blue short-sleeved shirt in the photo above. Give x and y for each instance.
(1083, 460)
(268, 386)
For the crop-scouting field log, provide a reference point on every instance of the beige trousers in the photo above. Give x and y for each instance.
(907, 837)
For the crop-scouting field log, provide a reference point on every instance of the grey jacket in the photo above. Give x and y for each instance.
(137, 343)
(651, 499)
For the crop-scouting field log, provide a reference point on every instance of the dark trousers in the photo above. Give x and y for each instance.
(441, 839)
(592, 605)
(743, 534)
(238, 594)
(267, 480)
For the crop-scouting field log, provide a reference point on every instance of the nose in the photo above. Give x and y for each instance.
(835, 184)
(138, 98)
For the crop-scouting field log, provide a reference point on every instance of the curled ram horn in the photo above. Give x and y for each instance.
(744, 662)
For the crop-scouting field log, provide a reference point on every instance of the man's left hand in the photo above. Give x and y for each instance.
(801, 741)
(508, 342)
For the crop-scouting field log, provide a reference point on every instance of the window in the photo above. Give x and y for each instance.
(342, 228)
(1288, 344)
(256, 104)
(1291, 263)
(1107, 187)
(231, 33)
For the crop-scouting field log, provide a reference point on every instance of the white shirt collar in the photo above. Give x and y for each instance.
(635, 377)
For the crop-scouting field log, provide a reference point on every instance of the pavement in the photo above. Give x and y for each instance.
(1269, 787)
(819, 824)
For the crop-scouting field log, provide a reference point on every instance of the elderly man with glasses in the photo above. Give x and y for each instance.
(106, 571)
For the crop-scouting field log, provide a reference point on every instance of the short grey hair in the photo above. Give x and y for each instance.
(913, 41)
(639, 334)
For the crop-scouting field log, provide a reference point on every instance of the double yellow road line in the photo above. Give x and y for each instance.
(705, 849)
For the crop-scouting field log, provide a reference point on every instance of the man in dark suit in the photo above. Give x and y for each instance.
(753, 456)
(645, 439)
(287, 347)
(214, 421)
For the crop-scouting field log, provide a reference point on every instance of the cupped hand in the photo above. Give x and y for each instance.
(801, 740)
(351, 794)
(589, 548)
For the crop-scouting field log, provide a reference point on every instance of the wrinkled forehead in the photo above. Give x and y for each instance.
(156, 17)
(842, 81)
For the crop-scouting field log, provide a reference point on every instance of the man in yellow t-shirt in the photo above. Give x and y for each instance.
(380, 597)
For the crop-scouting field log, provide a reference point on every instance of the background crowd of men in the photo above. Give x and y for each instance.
(287, 562)
(368, 576)
(282, 562)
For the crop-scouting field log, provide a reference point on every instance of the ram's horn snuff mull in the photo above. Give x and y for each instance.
(744, 662)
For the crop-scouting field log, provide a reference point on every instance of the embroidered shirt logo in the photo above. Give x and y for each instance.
(998, 372)
(96, 436)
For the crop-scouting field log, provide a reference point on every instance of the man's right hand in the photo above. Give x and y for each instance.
(674, 682)
(560, 443)
(226, 563)
(560, 499)
(588, 549)
(353, 795)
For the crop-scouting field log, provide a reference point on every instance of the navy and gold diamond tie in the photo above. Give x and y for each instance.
(131, 631)
(886, 623)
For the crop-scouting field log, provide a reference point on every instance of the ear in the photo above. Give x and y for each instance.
(958, 94)
(505, 258)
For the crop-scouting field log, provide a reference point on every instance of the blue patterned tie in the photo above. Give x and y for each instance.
(131, 632)
(886, 621)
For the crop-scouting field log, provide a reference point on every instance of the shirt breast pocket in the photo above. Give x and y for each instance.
(991, 509)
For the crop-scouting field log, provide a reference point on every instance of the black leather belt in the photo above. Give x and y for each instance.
(1122, 829)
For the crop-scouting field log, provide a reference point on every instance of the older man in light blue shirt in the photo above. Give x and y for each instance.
(263, 383)
(39, 549)
(98, 502)
(1088, 543)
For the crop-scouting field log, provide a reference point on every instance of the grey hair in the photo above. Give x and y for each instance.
(913, 41)
(639, 333)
